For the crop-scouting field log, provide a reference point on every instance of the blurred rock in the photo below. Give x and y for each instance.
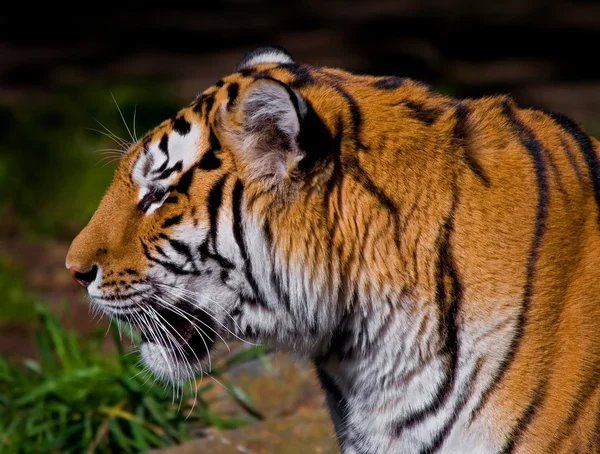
(307, 432)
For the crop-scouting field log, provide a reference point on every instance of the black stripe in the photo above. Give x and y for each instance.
(160, 251)
(167, 172)
(246, 72)
(465, 393)
(146, 142)
(163, 145)
(209, 161)
(424, 114)
(583, 395)
(315, 140)
(336, 403)
(354, 169)
(154, 195)
(215, 197)
(355, 113)
(341, 342)
(167, 265)
(302, 74)
(282, 295)
(183, 185)
(448, 297)
(213, 141)
(389, 83)
(224, 275)
(209, 102)
(554, 168)
(460, 135)
(571, 158)
(533, 147)
(161, 168)
(335, 180)
(205, 253)
(587, 149)
(524, 420)
(239, 236)
(146, 201)
(181, 125)
(181, 248)
(232, 93)
(206, 102)
(174, 220)
(596, 433)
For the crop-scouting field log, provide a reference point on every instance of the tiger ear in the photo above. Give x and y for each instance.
(267, 138)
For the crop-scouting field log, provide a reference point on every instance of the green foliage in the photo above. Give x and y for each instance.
(52, 174)
(17, 303)
(76, 399)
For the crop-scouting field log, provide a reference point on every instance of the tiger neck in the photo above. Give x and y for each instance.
(393, 382)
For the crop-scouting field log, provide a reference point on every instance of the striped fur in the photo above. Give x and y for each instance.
(436, 258)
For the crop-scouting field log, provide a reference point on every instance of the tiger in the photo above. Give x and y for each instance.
(436, 259)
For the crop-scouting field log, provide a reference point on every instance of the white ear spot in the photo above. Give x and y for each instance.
(262, 55)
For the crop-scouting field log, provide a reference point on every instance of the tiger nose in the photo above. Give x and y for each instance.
(84, 278)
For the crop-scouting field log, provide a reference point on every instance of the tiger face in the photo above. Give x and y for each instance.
(175, 247)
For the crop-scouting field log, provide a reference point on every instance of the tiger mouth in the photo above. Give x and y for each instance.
(182, 330)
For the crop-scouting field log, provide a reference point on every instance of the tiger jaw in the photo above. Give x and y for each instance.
(175, 338)
(175, 343)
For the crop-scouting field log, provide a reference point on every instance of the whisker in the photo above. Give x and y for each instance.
(175, 344)
(150, 329)
(180, 311)
(134, 114)
(205, 310)
(109, 151)
(123, 141)
(115, 139)
(186, 315)
(194, 389)
(108, 328)
(183, 313)
(122, 117)
(109, 157)
(109, 160)
(201, 337)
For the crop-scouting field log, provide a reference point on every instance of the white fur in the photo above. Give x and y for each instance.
(184, 148)
(271, 56)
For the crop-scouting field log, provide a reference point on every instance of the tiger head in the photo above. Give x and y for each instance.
(186, 242)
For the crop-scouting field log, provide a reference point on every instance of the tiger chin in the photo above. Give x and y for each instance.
(437, 259)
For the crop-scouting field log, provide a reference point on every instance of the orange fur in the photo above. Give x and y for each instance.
(372, 211)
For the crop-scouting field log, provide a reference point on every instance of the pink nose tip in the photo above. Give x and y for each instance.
(84, 278)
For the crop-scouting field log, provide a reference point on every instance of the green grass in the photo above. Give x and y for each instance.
(52, 174)
(76, 399)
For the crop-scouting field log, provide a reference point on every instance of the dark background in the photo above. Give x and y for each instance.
(59, 72)
(543, 52)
